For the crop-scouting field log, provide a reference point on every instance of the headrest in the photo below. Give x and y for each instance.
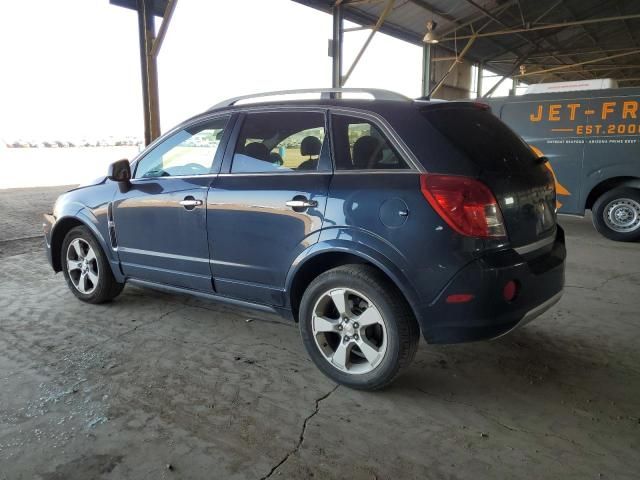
(367, 152)
(257, 150)
(310, 146)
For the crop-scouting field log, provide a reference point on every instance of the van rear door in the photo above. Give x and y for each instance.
(523, 186)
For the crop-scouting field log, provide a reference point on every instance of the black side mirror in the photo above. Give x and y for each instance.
(120, 171)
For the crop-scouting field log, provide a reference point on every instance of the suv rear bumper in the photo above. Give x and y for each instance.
(540, 279)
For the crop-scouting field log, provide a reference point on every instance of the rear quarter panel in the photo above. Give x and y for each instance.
(363, 211)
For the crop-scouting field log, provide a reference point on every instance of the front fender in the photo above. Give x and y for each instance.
(68, 216)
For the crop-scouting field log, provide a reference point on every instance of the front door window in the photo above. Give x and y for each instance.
(189, 152)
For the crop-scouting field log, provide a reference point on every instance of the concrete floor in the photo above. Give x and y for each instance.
(162, 386)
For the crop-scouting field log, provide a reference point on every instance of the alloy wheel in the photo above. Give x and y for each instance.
(82, 266)
(349, 330)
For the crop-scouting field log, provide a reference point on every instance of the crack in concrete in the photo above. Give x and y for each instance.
(302, 433)
(490, 418)
(604, 282)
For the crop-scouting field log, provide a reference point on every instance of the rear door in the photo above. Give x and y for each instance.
(523, 186)
(268, 203)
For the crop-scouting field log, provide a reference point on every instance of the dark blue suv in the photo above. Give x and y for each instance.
(365, 221)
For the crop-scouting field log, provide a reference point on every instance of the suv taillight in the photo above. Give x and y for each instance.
(467, 205)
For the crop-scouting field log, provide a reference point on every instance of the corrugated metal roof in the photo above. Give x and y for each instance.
(540, 49)
(158, 7)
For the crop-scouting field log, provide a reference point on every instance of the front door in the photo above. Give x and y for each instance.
(160, 222)
(268, 204)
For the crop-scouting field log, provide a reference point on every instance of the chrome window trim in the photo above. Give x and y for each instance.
(181, 177)
(273, 174)
(376, 171)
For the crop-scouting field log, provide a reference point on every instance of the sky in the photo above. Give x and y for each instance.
(71, 67)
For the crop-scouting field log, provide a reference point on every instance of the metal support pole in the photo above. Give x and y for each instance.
(426, 69)
(514, 87)
(336, 48)
(149, 68)
(458, 60)
(479, 77)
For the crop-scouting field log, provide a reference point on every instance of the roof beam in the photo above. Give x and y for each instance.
(586, 62)
(547, 27)
(166, 20)
(383, 17)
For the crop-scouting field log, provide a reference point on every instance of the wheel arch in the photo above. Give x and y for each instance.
(63, 226)
(610, 184)
(321, 260)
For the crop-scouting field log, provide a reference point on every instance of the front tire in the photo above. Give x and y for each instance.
(616, 214)
(357, 327)
(86, 268)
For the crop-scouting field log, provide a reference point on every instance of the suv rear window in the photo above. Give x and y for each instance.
(492, 145)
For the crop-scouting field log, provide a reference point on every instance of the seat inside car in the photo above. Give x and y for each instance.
(257, 150)
(367, 153)
(310, 146)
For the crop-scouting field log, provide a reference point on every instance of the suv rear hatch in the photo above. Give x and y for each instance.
(521, 182)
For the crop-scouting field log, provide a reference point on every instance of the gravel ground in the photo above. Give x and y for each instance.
(162, 386)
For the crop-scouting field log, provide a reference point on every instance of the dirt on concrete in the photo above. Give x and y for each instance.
(162, 386)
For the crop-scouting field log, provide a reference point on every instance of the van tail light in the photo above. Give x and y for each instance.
(467, 205)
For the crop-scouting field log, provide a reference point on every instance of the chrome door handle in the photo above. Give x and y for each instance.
(190, 203)
(301, 203)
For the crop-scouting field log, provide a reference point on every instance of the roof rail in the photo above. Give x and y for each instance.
(376, 93)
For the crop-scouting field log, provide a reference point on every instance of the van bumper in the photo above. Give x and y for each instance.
(539, 276)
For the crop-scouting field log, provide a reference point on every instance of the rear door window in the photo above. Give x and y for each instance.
(361, 145)
(280, 142)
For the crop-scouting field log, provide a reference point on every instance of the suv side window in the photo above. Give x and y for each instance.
(280, 142)
(189, 152)
(360, 145)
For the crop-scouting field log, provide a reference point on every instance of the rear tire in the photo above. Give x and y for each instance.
(357, 327)
(86, 268)
(616, 214)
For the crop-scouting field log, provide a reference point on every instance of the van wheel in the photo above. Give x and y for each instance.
(357, 327)
(86, 268)
(616, 214)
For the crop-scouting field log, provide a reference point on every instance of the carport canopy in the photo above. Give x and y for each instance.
(530, 40)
